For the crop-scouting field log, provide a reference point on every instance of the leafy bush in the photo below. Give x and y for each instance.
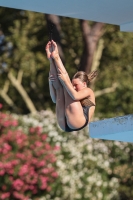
(87, 168)
(83, 164)
(27, 161)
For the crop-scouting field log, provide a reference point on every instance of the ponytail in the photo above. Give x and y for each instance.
(92, 75)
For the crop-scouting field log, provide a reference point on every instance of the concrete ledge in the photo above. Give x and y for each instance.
(118, 128)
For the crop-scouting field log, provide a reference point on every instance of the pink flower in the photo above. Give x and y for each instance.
(14, 123)
(2, 172)
(35, 191)
(11, 179)
(29, 165)
(16, 194)
(23, 170)
(57, 148)
(45, 171)
(51, 169)
(25, 187)
(44, 137)
(4, 151)
(47, 146)
(11, 171)
(19, 141)
(38, 129)
(5, 195)
(20, 156)
(1, 165)
(14, 162)
(54, 174)
(41, 163)
(20, 196)
(32, 130)
(6, 123)
(7, 147)
(34, 180)
(18, 184)
(43, 179)
(34, 161)
(48, 188)
(43, 186)
(38, 144)
(8, 165)
(1, 105)
(4, 187)
(43, 182)
(28, 179)
(31, 187)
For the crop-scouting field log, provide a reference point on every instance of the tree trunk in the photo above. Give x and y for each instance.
(4, 95)
(91, 36)
(17, 84)
(107, 90)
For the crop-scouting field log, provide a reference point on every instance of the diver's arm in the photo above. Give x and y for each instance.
(77, 96)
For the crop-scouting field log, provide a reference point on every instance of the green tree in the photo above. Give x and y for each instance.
(27, 64)
(116, 66)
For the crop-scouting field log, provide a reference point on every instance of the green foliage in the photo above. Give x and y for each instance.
(116, 67)
(28, 36)
(72, 43)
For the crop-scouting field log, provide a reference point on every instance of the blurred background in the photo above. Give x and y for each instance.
(38, 161)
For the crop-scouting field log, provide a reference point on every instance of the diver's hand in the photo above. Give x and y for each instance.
(49, 50)
(55, 52)
(62, 76)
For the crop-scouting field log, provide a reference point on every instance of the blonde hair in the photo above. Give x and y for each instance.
(84, 77)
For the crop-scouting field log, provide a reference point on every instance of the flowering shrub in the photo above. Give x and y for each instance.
(26, 161)
(87, 168)
(83, 164)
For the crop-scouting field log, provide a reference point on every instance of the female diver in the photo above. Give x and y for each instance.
(70, 97)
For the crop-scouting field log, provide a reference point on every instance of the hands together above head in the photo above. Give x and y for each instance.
(52, 50)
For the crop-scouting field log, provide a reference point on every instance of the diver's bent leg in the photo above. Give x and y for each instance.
(60, 108)
(53, 70)
(53, 73)
(73, 112)
(60, 103)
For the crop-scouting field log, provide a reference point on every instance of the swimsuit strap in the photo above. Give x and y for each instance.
(86, 102)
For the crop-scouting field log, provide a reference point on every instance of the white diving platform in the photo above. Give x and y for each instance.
(118, 128)
(117, 12)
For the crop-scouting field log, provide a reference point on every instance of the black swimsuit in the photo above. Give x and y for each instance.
(85, 111)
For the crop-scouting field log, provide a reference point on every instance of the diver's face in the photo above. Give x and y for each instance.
(78, 84)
